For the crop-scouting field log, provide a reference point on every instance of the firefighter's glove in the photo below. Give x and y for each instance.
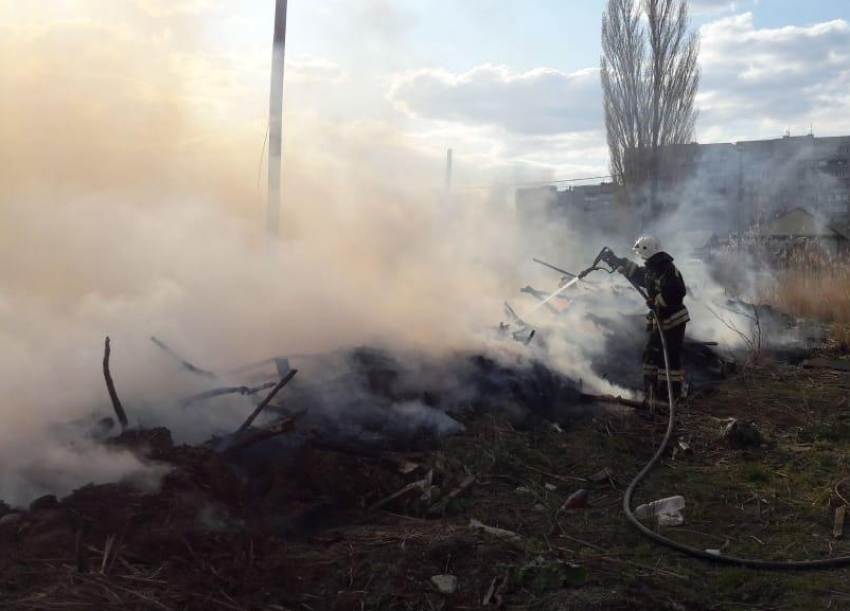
(650, 303)
(614, 261)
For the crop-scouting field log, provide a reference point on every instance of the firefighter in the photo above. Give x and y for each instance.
(666, 291)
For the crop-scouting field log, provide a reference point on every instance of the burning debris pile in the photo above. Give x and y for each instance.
(311, 454)
(323, 440)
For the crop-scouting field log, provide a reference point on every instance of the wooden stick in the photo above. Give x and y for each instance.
(419, 486)
(441, 506)
(838, 528)
(283, 382)
(110, 386)
(186, 364)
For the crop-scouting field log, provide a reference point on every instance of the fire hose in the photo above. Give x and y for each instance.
(823, 563)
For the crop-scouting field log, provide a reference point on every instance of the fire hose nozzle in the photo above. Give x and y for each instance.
(603, 255)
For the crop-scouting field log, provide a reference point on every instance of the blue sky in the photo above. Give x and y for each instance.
(459, 34)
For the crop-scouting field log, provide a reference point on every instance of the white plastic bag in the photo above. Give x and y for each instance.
(667, 511)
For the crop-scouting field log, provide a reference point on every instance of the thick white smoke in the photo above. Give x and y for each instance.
(129, 208)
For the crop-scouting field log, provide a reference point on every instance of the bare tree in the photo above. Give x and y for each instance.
(623, 86)
(650, 78)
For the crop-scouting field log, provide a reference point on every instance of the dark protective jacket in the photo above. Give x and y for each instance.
(664, 285)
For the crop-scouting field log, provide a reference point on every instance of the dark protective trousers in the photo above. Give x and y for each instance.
(654, 373)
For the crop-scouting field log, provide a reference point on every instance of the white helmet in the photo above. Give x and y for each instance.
(647, 246)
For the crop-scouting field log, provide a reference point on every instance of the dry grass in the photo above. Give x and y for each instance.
(814, 286)
(799, 278)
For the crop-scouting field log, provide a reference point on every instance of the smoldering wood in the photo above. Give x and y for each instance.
(183, 362)
(246, 439)
(229, 390)
(511, 313)
(110, 386)
(283, 382)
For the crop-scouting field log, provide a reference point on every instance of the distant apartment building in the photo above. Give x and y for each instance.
(723, 188)
(580, 207)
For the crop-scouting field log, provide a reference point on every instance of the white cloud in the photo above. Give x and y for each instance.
(383, 17)
(540, 101)
(167, 8)
(774, 78)
(714, 7)
(756, 83)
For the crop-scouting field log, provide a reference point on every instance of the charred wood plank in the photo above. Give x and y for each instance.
(283, 382)
(110, 386)
(254, 436)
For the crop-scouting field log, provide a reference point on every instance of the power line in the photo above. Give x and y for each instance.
(532, 184)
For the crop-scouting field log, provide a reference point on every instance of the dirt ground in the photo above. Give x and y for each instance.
(314, 535)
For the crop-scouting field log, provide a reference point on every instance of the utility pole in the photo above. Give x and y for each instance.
(276, 120)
